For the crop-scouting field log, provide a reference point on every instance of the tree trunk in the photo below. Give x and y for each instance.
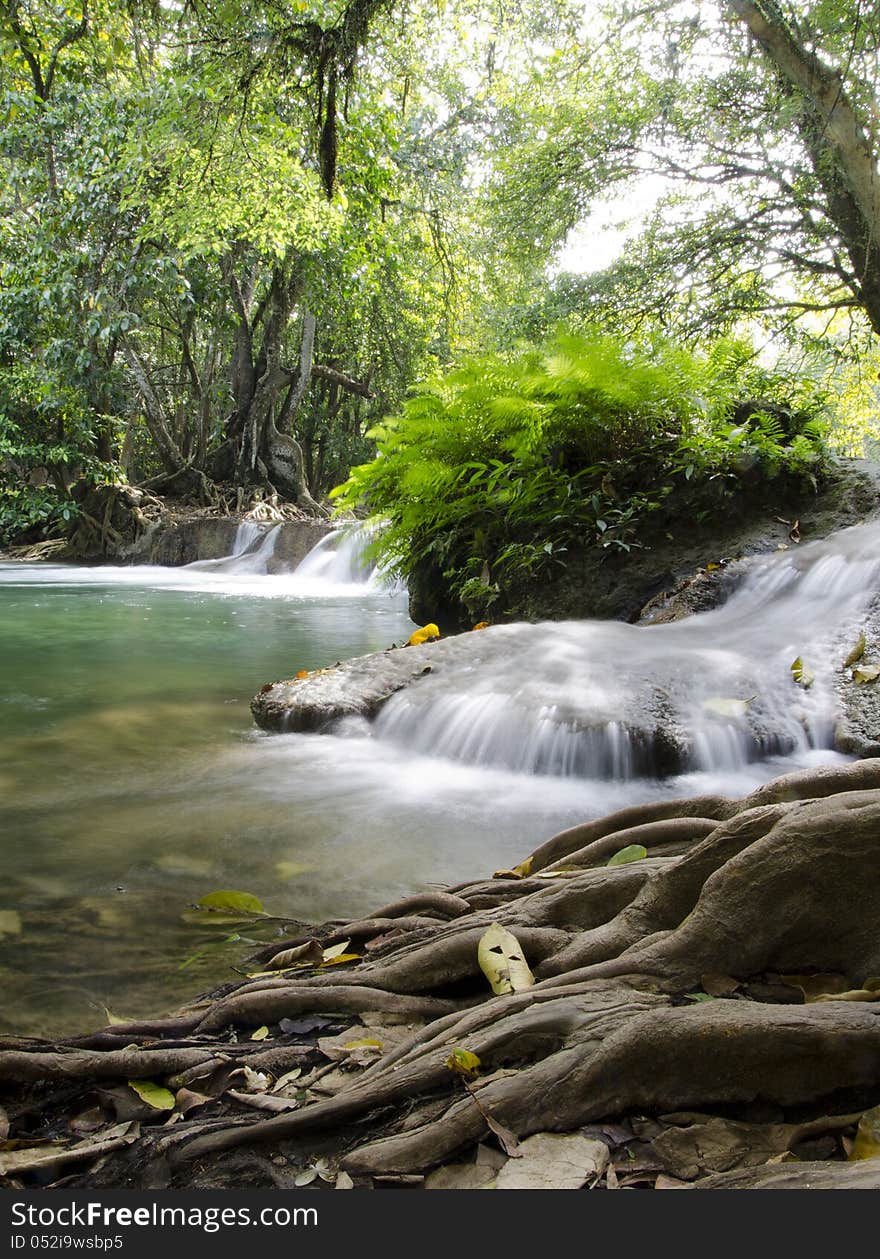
(839, 147)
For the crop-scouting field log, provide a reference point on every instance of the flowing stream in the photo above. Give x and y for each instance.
(133, 781)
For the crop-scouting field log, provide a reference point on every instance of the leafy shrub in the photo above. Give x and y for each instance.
(499, 468)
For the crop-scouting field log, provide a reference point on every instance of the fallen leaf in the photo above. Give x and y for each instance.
(509, 1140)
(802, 675)
(550, 1160)
(815, 986)
(153, 1094)
(481, 625)
(343, 1047)
(632, 852)
(242, 901)
(721, 707)
(502, 962)
(857, 652)
(88, 1121)
(426, 634)
(670, 1182)
(335, 950)
(254, 1081)
(853, 994)
(264, 1101)
(305, 1177)
(558, 874)
(868, 1136)
(308, 954)
(344, 1181)
(302, 1027)
(463, 1062)
(10, 922)
(261, 1033)
(288, 1078)
(342, 959)
(291, 869)
(302, 673)
(719, 985)
(869, 673)
(187, 1100)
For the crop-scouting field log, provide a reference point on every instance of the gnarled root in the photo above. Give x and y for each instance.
(787, 880)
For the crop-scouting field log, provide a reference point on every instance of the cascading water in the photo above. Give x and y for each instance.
(252, 548)
(605, 700)
(340, 560)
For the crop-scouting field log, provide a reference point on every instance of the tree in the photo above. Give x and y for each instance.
(760, 121)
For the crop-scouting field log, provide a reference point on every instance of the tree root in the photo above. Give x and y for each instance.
(785, 881)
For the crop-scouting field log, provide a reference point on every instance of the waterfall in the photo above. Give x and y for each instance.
(606, 700)
(339, 560)
(252, 549)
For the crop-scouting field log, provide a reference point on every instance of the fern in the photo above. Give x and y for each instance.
(508, 463)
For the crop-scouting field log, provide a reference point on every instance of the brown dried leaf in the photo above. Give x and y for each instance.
(815, 986)
(719, 985)
(187, 1100)
(308, 954)
(264, 1101)
(508, 1140)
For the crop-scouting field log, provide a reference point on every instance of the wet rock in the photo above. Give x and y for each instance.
(858, 728)
(357, 688)
(184, 541)
(667, 572)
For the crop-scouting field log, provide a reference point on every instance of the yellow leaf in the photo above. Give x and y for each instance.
(867, 1144)
(424, 635)
(463, 1062)
(501, 961)
(857, 652)
(153, 1094)
(868, 673)
(341, 958)
(261, 1033)
(522, 871)
(335, 949)
(801, 674)
(481, 625)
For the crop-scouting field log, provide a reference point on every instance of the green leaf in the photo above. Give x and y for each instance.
(244, 902)
(632, 852)
(153, 1094)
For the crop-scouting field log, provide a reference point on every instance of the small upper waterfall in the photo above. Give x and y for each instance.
(606, 700)
(252, 548)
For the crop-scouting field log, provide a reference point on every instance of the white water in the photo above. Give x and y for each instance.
(339, 559)
(587, 698)
(252, 549)
(335, 568)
